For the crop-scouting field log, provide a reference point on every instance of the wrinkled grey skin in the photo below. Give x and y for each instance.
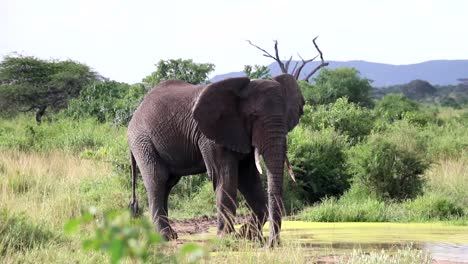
(182, 129)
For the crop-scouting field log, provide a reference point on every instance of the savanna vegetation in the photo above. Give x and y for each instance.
(357, 157)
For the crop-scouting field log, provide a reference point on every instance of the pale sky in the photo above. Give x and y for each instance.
(123, 39)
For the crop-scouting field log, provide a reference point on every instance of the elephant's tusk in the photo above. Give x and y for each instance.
(257, 161)
(290, 169)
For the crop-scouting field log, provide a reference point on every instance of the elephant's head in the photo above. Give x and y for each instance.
(244, 115)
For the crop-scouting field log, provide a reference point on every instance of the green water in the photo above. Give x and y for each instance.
(442, 241)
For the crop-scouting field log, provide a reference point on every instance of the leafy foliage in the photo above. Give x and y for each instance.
(121, 236)
(434, 206)
(107, 101)
(333, 84)
(257, 72)
(29, 83)
(388, 170)
(345, 117)
(179, 69)
(319, 163)
(392, 107)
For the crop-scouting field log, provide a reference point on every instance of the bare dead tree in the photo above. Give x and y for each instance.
(296, 71)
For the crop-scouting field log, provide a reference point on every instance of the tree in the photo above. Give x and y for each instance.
(179, 69)
(296, 71)
(342, 82)
(31, 84)
(257, 72)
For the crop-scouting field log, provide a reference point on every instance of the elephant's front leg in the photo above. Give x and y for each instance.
(222, 167)
(250, 185)
(226, 197)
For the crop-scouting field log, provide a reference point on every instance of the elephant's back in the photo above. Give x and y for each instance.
(165, 117)
(166, 101)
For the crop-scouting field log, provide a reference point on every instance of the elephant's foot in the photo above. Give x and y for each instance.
(168, 233)
(134, 208)
(274, 242)
(225, 231)
(251, 232)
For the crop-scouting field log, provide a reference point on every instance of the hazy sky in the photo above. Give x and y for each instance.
(123, 39)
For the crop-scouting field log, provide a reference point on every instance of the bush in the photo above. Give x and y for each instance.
(333, 84)
(433, 207)
(345, 117)
(421, 118)
(122, 237)
(339, 210)
(392, 107)
(107, 101)
(388, 170)
(318, 160)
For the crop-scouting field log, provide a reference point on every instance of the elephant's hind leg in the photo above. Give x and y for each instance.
(155, 177)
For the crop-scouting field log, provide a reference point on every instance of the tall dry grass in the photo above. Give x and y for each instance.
(49, 187)
(450, 177)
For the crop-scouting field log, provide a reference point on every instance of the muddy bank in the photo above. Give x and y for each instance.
(200, 225)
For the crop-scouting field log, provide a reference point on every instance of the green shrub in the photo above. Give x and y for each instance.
(318, 160)
(17, 233)
(433, 207)
(392, 107)
(122, 237)
(345, 117)
(388, 170)
(331, 84)
(339, 210)
(421, 118)
(107, 101)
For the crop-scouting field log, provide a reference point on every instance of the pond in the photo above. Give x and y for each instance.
(445, 243)
(442, 241)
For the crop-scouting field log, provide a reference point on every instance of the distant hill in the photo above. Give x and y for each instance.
(437, 72)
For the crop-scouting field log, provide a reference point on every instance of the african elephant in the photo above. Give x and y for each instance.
(222, 129)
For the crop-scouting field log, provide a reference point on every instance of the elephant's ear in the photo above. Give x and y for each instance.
(217, 113)
(295, 100)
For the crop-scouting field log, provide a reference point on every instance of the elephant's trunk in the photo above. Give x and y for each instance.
(274, 153)
(274, 161)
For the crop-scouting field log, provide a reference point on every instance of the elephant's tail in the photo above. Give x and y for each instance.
(133, 206)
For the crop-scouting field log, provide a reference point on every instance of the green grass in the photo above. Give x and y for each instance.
(402, 256)
(18, 234)
(52, 172)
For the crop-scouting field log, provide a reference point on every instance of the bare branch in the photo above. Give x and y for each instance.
(281, 64)
(286, 66)
(294, 69)
(296, 72)
(267, 54)
(304, 62)
(322, 64)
